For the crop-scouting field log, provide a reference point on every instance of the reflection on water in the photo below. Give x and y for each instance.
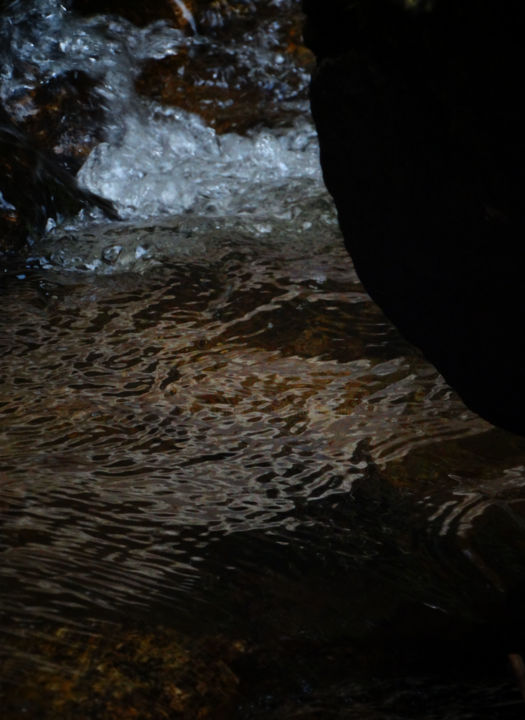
(236, 440)
(228, 488)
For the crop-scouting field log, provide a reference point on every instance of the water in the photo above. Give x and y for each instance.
(157, 159)
(213, 443)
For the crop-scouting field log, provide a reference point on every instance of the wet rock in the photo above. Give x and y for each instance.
(211, 18)
(34, 188)
(64, 115)
(221, 82)
(214, 86)
(138, 12)
(121, 674)
(46, 132)
(422, 146)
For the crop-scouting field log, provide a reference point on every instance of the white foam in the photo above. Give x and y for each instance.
(157, 160)
(172, 162)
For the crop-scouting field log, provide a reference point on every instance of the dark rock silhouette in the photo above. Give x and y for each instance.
(419, 113)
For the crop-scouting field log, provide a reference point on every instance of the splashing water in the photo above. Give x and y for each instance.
(173, 163)
(160, 160)
(208, 425)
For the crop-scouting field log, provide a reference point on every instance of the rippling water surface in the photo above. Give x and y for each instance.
(234, 437)
(207, 427)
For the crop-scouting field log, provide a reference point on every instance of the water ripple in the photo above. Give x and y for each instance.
(256, 394)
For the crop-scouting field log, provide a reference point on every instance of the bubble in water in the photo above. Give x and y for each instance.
(175, 162)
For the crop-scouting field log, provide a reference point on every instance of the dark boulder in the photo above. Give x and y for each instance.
(419, 113)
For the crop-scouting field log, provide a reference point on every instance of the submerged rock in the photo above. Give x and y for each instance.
(122, 674)
(420, 123)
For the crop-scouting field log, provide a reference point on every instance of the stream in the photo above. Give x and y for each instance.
(228, 487)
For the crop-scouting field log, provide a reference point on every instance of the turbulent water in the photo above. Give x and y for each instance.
(208, 425)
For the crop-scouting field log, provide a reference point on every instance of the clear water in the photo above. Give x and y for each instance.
(208, 426)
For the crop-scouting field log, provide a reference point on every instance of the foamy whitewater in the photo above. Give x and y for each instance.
(159, 161)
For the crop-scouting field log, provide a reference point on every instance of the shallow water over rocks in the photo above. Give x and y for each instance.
(228, 487)
(224, 435)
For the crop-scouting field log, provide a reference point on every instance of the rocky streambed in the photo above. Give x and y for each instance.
(229, 488)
